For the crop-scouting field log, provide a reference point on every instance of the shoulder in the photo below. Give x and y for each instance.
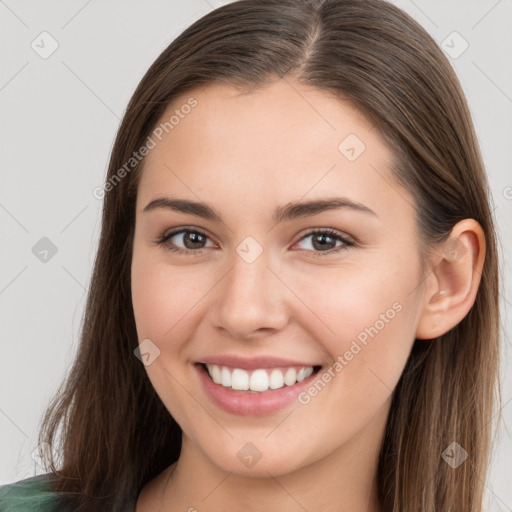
(36, 494)
(30, 495)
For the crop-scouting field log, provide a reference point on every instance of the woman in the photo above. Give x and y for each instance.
(294, 304)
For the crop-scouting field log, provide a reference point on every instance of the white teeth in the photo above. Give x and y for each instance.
(240, 379)
(276, 379)
(259, 380)
(225, 378)
(216, 375)
(290, 377)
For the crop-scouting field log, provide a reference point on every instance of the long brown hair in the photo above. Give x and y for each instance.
(109, 427)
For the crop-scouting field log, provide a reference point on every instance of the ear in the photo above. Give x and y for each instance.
(452, 285)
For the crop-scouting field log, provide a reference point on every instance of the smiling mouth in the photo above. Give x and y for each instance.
(259, 380)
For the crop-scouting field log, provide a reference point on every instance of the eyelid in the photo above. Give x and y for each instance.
(180, 229)
(332, 231)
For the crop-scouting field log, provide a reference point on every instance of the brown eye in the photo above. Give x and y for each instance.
(325, 241)
(191, 241)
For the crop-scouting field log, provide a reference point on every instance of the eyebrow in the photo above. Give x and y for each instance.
(287, 212)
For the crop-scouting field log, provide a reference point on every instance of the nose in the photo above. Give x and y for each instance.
(251, 301)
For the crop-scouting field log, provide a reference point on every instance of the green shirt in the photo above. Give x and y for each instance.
(34, 494)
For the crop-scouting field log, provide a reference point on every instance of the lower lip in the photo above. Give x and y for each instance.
(245, 403)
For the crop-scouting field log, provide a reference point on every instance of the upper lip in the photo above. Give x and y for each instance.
(253, 363)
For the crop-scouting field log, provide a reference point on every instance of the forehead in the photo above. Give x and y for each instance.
(276, 143)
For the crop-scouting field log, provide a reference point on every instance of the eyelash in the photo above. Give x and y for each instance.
(162, 241)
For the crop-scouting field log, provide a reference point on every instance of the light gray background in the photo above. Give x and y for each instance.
(59, 119)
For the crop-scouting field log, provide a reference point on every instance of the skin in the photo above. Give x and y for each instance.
(246, 154)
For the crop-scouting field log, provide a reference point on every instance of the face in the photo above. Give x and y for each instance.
(332, 285)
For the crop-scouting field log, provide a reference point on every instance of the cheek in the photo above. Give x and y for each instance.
(163, 297)
(355, 299)
(163, 300)
(364, 318)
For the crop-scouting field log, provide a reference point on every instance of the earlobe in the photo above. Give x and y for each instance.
(454, 280)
